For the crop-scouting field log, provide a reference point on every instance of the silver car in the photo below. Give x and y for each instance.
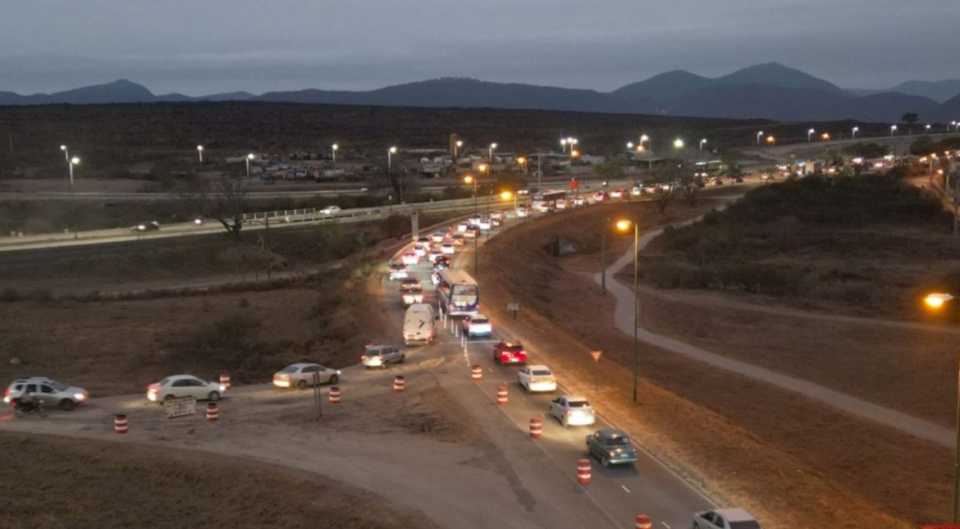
(48, 392)
(302, 375)
(725, 519)
(382, 355)
(185, 386)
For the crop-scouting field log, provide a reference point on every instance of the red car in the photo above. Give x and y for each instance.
(509, 353)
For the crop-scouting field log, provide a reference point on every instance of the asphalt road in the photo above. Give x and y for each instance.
(619, 492)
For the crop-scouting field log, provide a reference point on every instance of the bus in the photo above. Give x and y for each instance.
(547, 200)
(458, 293)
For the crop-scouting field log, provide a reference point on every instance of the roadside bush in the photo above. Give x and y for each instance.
(40, 294)
(10, 295)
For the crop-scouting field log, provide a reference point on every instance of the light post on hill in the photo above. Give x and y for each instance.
(702, 143)
(66, 158)
(200, 154)
(390, 152)
(493, 147)
(935, 302)
(623, 226)
(759, 136)
(73, 161)
(249, 158)
(854, 131)
(810, 133)
(333, 154)
(893, 130)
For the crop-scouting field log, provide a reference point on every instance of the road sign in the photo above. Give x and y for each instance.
(181, 407)
(596, 355)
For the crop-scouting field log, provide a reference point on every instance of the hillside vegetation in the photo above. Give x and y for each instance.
(870, 243)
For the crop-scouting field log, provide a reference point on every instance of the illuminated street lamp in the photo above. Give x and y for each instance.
(678, 143)
(893, 130)
(759, 136)
(854, 131)
(955, 125)
(810, 134)
(771, 140)
(702, 143)
(623, 226)
(825, 136)
(390, 152)
(333, 154)
(200, 153)
(249, 158)
(935, 302)
(926, 127)
(644, 139)
(73, 161)
(456, 148)
(629, 145)
(66, 158)
(522, 162)
(493, 147)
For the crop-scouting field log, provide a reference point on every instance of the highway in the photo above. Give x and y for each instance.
(531, 483)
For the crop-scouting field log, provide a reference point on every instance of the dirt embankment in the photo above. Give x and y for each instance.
(792, 462)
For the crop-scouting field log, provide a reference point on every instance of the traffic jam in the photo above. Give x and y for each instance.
(441, 315)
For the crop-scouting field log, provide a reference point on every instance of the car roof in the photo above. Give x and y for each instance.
(177, 377)
(735, 514)
(612, 432)
(576, 397)
(303, 364)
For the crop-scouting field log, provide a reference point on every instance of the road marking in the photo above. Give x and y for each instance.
(665, 524)
(624, 487)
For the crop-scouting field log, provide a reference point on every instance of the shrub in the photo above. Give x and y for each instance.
(9, 295)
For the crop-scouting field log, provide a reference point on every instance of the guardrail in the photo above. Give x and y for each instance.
(252, 221)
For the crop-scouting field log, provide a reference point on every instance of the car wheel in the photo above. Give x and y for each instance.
(605, 461)
(302, 384)
(168, 397)
(67, 405)
(213, 396)
(334, 379)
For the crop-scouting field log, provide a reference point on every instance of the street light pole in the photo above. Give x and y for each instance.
(73, 161)
(333, 154)
(248, 159)
(759, 136)
(200, 153)
(810, 133)
(636, 310)
(854, 132)
(702, 142)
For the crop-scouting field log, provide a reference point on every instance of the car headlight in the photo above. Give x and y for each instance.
(79, 396)
(223, 387)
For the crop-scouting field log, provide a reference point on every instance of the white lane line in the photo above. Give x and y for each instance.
(625, 489)
(665, 524)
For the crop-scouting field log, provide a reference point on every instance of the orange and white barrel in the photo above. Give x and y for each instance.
(120, 424)
(334, 395)
(399, 383)
(643, 522)
(584, 472)
(536, 427)
(225, 380)
(502, 395)
(476, 373)
(213, 412)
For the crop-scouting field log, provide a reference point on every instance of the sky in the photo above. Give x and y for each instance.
(204, 46)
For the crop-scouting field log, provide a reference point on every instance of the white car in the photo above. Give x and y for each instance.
(478, 325)
(616, 193)
(410, 258)
(635, 191)
(561, 204)
(572, 411)
(182, 386)
(462, 227)
(579, 201)
(448, 248)
(724, 519)
(496, 215)
(522, 212)
(302, 374)
(537, 378)
(412, 295)
(474, 221)
(435, 253)
(398, 271)
(420, 249)
(330, 210)
(438, 236)
(483, 224)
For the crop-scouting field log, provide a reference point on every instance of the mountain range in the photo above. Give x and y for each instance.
(770, 90)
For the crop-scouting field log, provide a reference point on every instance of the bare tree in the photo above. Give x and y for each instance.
(222, 199)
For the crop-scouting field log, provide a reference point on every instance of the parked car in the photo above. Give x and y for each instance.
(301, 375)
(181, 386)
(478, 325)
(441, 263)
(330, 210)
(48, 392)
(147, 226)
(725, 519)
(537, 378)
(398, 271)
(509, 353)
(572, 411)
(611, 447)
(381, 356)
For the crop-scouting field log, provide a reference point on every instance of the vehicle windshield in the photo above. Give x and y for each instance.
(541, 372)
(617, 441)
(290, 369)
(579, 404)
(480, 320)
(58, 386)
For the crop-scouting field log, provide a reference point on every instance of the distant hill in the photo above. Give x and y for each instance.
(769, 90)
(937, 90)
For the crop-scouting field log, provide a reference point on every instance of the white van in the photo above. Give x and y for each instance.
(418, 325)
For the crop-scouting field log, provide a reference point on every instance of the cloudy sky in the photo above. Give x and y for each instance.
(204, 46)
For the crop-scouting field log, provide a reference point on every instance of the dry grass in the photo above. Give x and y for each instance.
(53, 483)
